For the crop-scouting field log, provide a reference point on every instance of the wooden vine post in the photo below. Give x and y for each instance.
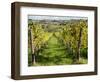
(32, 48)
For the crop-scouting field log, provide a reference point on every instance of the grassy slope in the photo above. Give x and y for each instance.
(54, 53)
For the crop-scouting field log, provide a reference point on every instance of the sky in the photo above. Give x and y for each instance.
(48, 17)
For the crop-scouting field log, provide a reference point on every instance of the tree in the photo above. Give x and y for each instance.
(38, 38)
(74, 35)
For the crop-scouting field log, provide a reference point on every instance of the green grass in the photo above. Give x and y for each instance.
(54, 53)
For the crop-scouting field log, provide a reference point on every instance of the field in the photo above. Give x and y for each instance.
(57, 41)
